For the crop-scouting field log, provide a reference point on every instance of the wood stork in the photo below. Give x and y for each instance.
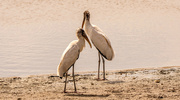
(100, 41)
(71, 54)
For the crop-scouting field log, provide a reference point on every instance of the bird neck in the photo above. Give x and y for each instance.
(81, 43)
(87, 26)
(87, 22)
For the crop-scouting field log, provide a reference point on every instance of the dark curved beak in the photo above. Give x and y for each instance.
(83, 22)
(85, 36)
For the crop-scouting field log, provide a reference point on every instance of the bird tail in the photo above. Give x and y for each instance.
(58, 69)
(112, 54)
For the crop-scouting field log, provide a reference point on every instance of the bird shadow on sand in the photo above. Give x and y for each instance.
(114, 82)
(86, 95)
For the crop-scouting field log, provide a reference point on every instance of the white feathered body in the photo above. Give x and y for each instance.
(99, 40)
(70, 55)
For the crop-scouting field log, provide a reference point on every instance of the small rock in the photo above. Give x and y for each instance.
(14, 78)
(77, 74)
(85, 78)
(92, 83)
(52, 76)
(173, 90)
(49, 82)
(164, 72)
(5, 84)
(19, 99)
(84, 88)
(157, 81)
(160, 97)
(35, 83)
(134, 78)
(1, 81)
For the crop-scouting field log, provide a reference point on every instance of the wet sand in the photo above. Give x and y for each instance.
(152, 83)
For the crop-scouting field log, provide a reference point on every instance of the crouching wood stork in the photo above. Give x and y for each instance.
(71, 54)
(99, 40)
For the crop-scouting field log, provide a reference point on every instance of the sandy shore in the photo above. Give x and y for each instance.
(153, 83)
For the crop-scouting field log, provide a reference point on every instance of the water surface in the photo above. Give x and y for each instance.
(141, 37)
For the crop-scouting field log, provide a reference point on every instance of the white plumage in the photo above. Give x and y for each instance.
(69, 57)
(71, 54)
(99, 39)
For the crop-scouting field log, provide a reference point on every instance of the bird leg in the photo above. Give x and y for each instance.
(65, 83)
(99, 65)
(74, 78)
(103, 68)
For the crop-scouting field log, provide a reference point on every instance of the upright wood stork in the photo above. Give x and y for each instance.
(71, 54)
(100, 41)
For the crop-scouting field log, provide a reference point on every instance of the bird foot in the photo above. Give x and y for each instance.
(104, 79)
(98, 79)
(70, 92)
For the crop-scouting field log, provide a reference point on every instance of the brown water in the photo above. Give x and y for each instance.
(34, 34)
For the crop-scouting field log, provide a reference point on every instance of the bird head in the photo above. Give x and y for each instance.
(86, 17)
(81, 33)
